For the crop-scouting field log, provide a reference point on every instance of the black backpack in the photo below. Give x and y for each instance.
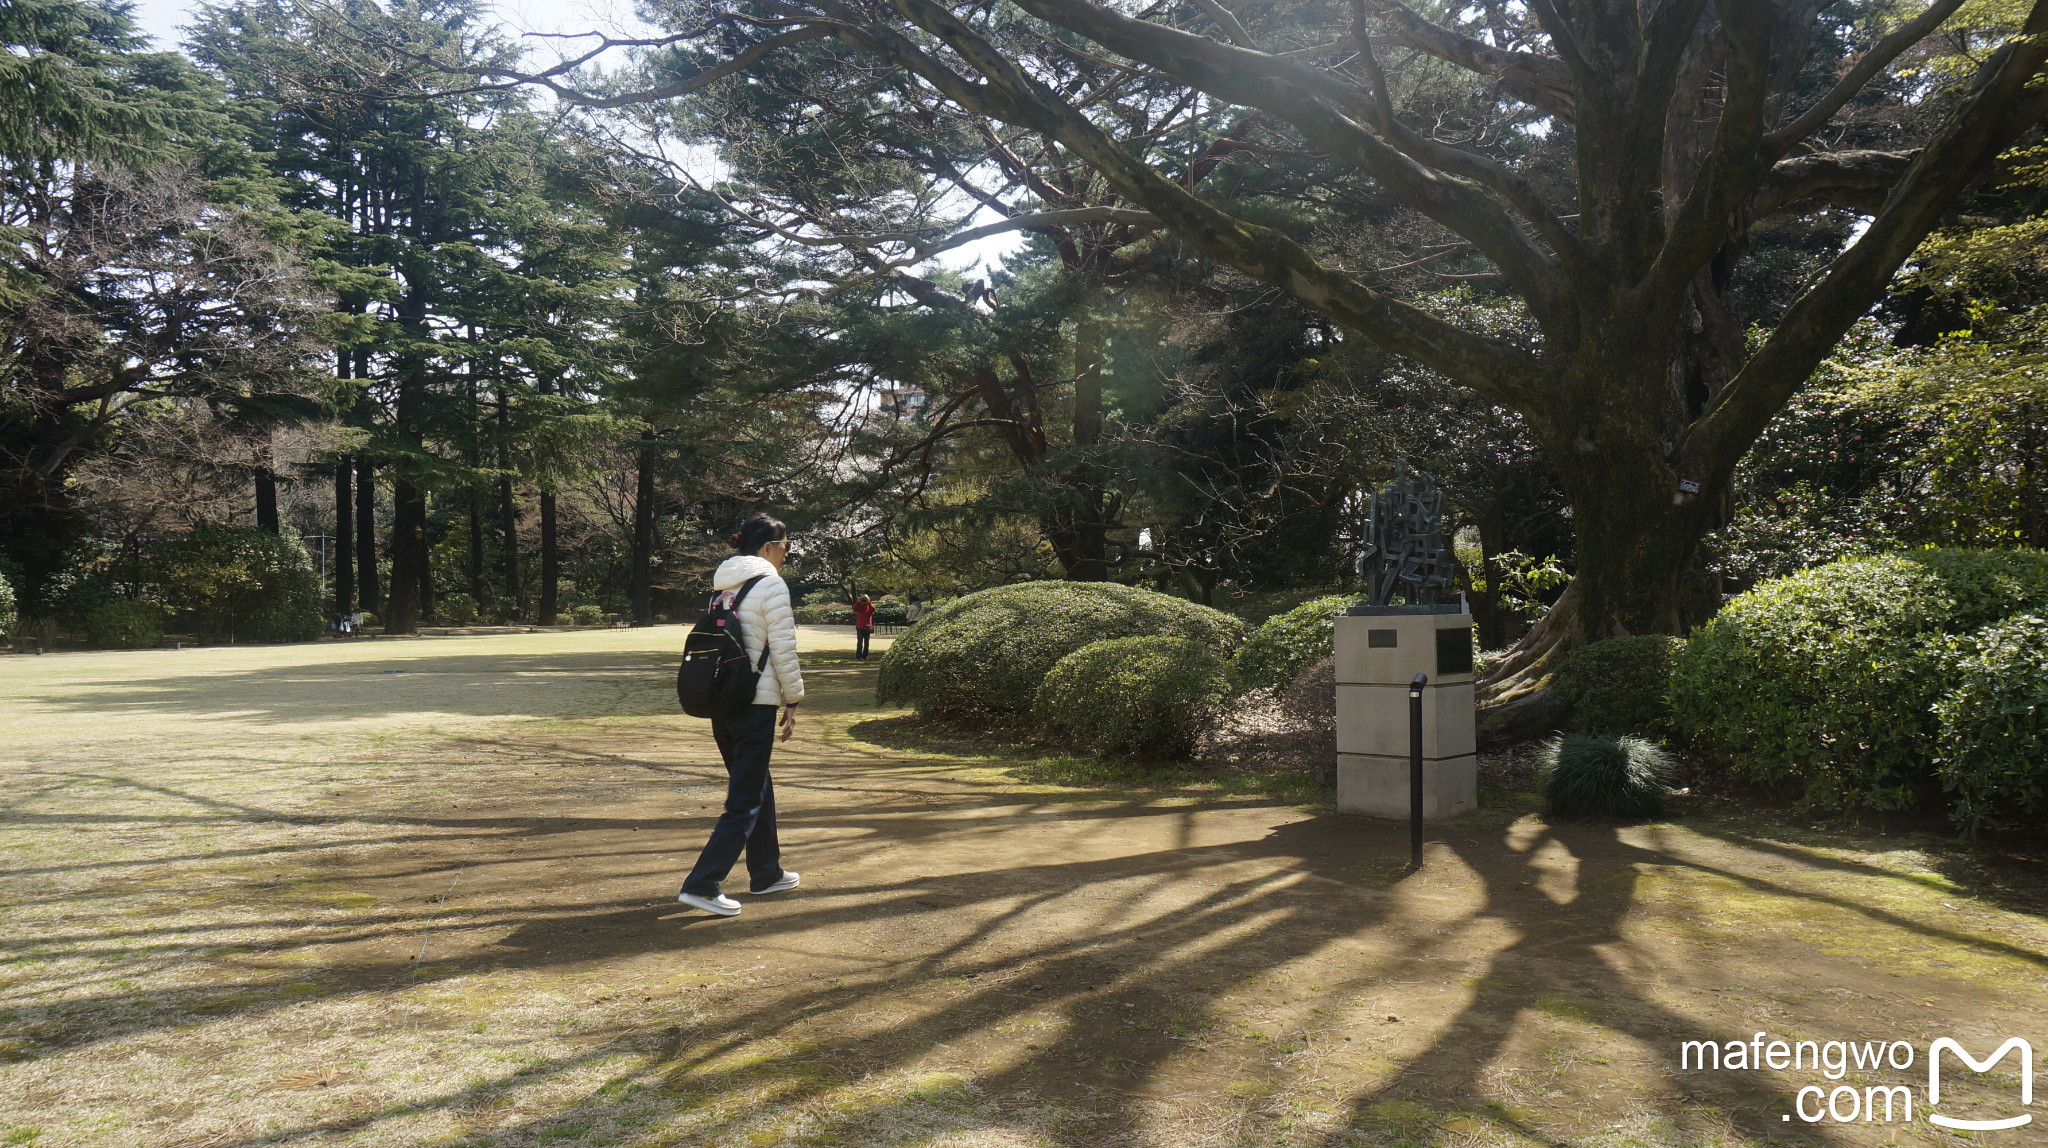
(715, 680)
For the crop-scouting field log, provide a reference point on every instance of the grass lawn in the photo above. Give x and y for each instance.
(416, 892)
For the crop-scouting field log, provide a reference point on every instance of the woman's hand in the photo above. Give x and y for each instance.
(788, 723)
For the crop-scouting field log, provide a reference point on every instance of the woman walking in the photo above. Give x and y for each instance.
(863, 627)
(745, 740)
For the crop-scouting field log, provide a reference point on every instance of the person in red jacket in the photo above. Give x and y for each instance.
(863, 627)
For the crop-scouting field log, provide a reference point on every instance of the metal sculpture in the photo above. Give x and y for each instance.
(1404, 543)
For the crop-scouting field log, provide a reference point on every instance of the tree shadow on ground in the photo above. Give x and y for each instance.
(1127, 988)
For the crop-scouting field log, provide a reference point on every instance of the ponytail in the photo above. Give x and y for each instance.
(756, 531)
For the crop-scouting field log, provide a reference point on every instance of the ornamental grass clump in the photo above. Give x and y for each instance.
(1149, 696)
(1597, 776)
(987, 652)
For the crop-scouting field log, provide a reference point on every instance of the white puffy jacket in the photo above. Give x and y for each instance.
(765, 615)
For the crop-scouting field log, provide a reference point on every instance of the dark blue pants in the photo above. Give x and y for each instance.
(748, 822)
(860, 642)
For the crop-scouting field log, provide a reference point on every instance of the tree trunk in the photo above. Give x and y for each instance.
(550, 563)
(1637, 524)
(643, 536)
(428, 597)
(344, 538)
(1078, 528)
(266, 500)
(508, 509)
(508, 518)
(1493, 623)
(408, 558)
(367, 588)
(479, 589)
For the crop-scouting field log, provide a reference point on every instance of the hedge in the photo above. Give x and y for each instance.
(1150, 696)
(124, 624)
(1828, 678)
(987, 652)
(1993, 750)
(1286, 644)
(1620, 685)
(242, 585)
(841, 614)
(7, 615)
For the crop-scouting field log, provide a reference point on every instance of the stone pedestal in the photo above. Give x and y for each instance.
(1380, 649)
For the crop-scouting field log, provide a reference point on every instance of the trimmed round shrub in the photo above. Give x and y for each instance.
(1993, 750)
(988, 651)
(124, 624)
(1594, 775)
(457, 609)
(1150, 696)
(1286, 644)
(241, 585)
(1828, 678)
(7, 616)
(588, 614)
(1620, 685)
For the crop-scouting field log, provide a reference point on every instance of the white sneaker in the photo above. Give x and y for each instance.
(789, 880)
(720, 905)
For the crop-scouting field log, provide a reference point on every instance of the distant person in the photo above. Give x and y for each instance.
(863, 627)
(745, 741)
(913, 612)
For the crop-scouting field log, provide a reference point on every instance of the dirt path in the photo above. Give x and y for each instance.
(421, 892)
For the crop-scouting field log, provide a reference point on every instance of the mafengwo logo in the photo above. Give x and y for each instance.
(1967, 1103)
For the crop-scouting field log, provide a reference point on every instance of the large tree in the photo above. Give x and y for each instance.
(476, 286)
(1688, 122)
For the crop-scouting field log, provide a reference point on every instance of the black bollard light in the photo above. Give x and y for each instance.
(1415, 769)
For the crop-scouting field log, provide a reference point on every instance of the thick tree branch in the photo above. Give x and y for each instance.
(1735, 166)
(1860, 73)
(1996, 110)
(1858, 180)
(1492, 367)
(1459, 196)
(1540, 81)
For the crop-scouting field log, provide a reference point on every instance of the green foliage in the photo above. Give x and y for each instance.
(241, 585)
(1828, 678)
(1620, 685)
(1289, 643)
(1936, 445)
(7, 607)
(588, 614)
(1593, 775)
(1993, 750)
(457, 609)
(76, 82)
(124, 624)
(1151, 696)
(1526, 581)
(988, 651)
